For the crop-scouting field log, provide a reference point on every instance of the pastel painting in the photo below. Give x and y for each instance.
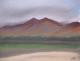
(39, 30)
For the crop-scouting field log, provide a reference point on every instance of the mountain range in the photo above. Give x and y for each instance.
(43, 27)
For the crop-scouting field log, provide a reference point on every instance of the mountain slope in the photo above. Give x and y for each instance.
(42, 27)
(71, 29)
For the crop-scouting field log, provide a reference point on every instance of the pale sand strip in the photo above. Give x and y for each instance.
(45, 56)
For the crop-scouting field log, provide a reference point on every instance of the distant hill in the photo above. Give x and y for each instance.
(42, 27)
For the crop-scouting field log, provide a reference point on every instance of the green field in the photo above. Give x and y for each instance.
(56, 46)
(7, 50)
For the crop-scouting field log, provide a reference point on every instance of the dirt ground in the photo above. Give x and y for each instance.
(19, 51)
(39, 54)
(45, 56)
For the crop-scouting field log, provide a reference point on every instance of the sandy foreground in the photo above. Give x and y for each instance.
(45, 56)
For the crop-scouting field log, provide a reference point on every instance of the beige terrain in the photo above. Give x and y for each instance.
(45, 56)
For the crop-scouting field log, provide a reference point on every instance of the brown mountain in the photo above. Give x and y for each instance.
(74, 24)
(74, 27)
(42, 27)
(71, 29)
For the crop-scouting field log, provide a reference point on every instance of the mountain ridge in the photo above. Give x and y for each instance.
(42, 27)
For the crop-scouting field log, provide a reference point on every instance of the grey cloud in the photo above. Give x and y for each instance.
(12, 11)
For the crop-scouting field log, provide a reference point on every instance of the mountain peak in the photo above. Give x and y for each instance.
(45, 26)
(74, 24)
(33, 19)
(50, 20)
(45, 18)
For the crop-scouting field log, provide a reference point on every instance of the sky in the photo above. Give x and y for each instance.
(18, 11)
